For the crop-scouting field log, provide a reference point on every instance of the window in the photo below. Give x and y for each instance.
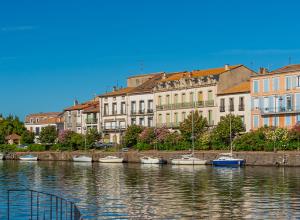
(168, 119)
(275, 121)
(255, 121)
(142, 122)
(123, 108)
(242, 118)
(297, 101)
(266, 121)
(255, 86)
(183, 115)
(114, 108)
(183, 98)
(150, 106)
(106, 109)
(231, 104)
(160, 118)
(222, 105)
(133, 107)
(266, 85)
(200, 96)
(298, 81)
(266, 104)
(175, 98)
(150, 121)
(241, 104)
(133, 121)
(159, 100)
(287, 120)
(176, 117)
(255, 103)
(123, 97)
(298, 118)
(288, 103)
(288, 82)
(210, 121)
(191, 97)
(114, 98)
(168, 99)
(37, 131)
(275, 83)
(210, 95)
(142, 107)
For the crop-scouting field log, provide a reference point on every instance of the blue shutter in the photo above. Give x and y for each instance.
(261, 103)
(294, 81)
(297, 101)
(271, 104)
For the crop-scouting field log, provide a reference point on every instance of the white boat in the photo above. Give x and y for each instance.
(28, 157)
(111, 159)
(1, 156)
(151, 160)
(82, 159)
(188, 160)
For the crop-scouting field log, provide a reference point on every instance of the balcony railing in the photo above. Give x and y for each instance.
(280, 110)
(241, 107)
(69, 124)
(114, 128)
(222, 108)
(199, 104)
(142, 112)
(231, 108)
(78, 124)
(91, 120)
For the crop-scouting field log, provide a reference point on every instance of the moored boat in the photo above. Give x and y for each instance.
(188, 160)
(227, 159)
(82, 158)
(1, 156)
(28, 157)
(111, 159)
(151, 160)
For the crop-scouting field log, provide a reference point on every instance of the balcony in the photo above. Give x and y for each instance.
(231, 108)
(241, 107)
(280, 110)
(78, 124)
(114, 128)
(142, 112)
(222, 108)
(168, 125)
(91, 121)
(69, 124)
(183, 105)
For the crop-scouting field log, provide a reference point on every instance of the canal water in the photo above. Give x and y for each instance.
(135, 191)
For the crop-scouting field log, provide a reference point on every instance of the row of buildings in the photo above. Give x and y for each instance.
(166, 99)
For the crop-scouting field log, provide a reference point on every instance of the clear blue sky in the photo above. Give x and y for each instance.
(54, 51)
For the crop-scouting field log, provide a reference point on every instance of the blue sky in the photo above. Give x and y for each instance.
(54, 51)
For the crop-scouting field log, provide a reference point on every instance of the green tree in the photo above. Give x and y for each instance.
(48, 135)
(27, 137)
(131, 135)
(200, 125)
(222, 131)
(92, 136)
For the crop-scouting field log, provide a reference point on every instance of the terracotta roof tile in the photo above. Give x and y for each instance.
(198, 73)
(92, 109)
(148, 85)
(81, 106)
(13, 137)
(122, 91)
(285, 69)
(243, 87)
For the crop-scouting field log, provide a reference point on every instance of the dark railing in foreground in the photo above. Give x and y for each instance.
(31, 204)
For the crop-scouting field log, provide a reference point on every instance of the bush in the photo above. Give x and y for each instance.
(143, 146)
(27, 137)
(36, 147)
(131, 135)
(48, 135)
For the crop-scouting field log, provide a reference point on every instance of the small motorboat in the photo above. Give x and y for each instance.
(111, 159)
(151, 160)
(227, 159)
(82, 158)
(28, 157)
(188, 160)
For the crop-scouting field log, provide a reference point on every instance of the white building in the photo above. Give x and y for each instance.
(177, 94)
(91, 117)
(237, 101)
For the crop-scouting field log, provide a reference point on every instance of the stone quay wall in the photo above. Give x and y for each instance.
(257, 158)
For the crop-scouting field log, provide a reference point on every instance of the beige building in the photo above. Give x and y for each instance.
(177, 94)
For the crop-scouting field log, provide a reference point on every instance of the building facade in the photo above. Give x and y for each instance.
(35, 122)
(91, 117)
(75, 117)
(178, 94)
(276, 98)
(237, 101)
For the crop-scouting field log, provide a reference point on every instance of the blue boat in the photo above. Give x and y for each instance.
(227, 159)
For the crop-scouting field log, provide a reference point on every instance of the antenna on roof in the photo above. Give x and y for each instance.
(290, 60)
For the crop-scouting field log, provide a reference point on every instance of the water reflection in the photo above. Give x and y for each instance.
(149, 191)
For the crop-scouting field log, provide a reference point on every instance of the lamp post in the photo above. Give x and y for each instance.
(85, 132)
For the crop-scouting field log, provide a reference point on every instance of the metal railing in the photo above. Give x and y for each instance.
(31, 204)
(199, 104)
(280, 110)
(168, 125)
(91, 120)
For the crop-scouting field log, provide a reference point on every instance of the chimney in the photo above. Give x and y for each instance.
(75, 102)
(263, 70)
(226, 67)
(164, 76)
(114, 88)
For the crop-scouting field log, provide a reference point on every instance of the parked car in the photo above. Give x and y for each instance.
(22, 146)
(125, 149)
